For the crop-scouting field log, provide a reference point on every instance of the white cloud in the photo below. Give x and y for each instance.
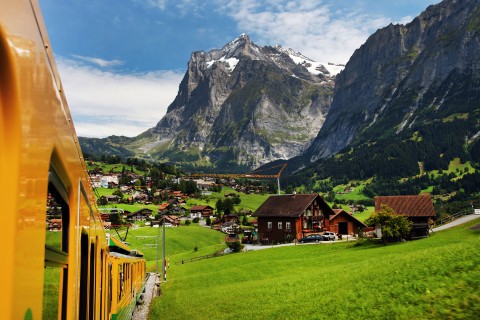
(99, 62)
(159, 4)
(104, 103)
(311, 27)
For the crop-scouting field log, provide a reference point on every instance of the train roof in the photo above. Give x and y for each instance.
(118, 246)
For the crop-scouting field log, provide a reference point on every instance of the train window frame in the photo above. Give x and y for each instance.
(86, 257)
(53, 256)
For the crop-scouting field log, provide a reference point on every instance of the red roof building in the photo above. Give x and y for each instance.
(343, 222)
(418, 209)
(286, 217)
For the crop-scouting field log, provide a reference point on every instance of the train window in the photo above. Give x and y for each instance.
(83, 276)
(56, 249)
(87, 257)
(92, 281)
(120, 281)
(110, 288)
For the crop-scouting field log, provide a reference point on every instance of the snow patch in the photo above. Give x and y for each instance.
(231, 62)
(312, 66)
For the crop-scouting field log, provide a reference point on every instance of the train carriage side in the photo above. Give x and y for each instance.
(61, 272)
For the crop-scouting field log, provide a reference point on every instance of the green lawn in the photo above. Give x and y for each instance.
(454, 166)
(117, 167)
(179, 242)
(355, 195)
(248, 201)
(433, 278)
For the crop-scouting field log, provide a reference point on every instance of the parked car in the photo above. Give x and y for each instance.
(311, 238)
(327, 236)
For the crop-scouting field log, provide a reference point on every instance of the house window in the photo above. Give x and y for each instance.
(269, 225)
(280, 225)
(287, 225)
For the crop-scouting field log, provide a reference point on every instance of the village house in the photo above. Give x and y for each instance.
(286, 217)
(418, 209)
(343, 223)
(112, 198)
(54, 224)
(230, 227)
(103, 181)
(231, 217)
(171, 221)
(140, 215)
(201, 211)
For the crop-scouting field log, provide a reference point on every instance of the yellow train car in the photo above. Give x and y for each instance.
(56, 259)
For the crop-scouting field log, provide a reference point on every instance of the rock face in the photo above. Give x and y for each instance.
(243, 105)
(406, 76)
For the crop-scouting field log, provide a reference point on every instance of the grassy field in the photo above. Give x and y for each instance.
(180, 243)
(248, 201)
(434, 278)
(117, 167)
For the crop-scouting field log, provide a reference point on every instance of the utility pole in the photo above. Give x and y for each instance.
(164, 270)
(158, 234)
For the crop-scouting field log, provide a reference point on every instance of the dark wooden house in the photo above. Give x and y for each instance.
(201, 211)
(140, 215)
(286, 217)
(418, 209)
(343, 222)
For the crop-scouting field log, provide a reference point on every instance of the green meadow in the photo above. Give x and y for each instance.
(433, 278)
(183, 242)
(248, 201)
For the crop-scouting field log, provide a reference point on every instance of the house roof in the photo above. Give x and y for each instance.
(163, 206)
(411, 206)
(200, 208)
(339, 212)
(288, 205)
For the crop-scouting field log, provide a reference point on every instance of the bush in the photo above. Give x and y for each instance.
(235, 246)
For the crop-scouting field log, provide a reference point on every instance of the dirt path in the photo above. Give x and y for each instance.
(141, 311)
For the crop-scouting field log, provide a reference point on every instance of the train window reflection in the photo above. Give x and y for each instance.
(56, 250)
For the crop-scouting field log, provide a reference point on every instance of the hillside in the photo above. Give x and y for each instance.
(437, 277)
(405, 104)
(410, 82)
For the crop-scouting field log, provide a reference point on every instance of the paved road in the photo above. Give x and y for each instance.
(252, 247)
(457, 222)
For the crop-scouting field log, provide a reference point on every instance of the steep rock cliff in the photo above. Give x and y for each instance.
(243, 105)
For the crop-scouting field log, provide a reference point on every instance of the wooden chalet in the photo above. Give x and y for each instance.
(418, 209)
(201, 211)
(343, 222)
(174, 221)
(231, 217)
(287, 217)
(140, 215)
(54, 224)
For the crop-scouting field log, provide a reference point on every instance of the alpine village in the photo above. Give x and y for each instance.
(363, 185)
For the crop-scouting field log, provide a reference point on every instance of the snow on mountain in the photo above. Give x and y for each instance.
(232, 62)
(312, 66)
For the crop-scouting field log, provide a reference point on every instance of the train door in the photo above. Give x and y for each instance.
(55, 291)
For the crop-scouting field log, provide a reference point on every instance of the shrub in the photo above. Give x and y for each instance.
(235, 246)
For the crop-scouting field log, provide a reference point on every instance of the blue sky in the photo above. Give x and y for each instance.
(121, 61)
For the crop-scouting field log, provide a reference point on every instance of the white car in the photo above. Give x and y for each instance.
(328, 236)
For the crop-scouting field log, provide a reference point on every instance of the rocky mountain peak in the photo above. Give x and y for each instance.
(244, 105)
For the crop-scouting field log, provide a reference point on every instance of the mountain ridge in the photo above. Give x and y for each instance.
(243, 105)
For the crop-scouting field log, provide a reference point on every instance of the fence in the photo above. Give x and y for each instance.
(208, 256)
(454, 216)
